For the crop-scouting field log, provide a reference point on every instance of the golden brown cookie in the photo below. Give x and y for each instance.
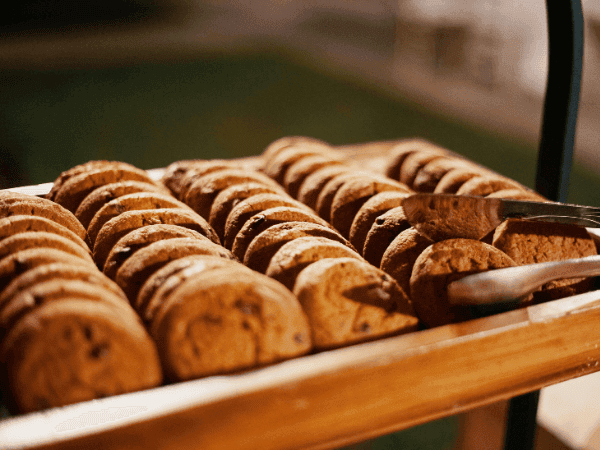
(365, 217)
(149, 307)
(140, 238)
(130, 202)
(267, 218)
(76, 188)
(135, 271)
(124, 223)
(518, 194)
(429, 175)
(282, 143)
(398, 153)
(231, 196)
(202, 192)
(529, 242)
(299, 170)
(353, 194)
(247, 208)
(12, 225)
(42, 239)
(22, 204)
(76, 350)
(228, 320)
(192, 264)
(440, 264)
(400, 256)
(265, 245)
(104, 194)
(20, 262)
(482, 186)
(383, 231)
(452, 180)
(349, 301)
(293, 256)
(278, 166)
(328, 192)
(178, 175)
(313, 184)
(415, 162)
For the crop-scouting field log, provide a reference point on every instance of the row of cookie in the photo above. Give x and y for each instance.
(67, 332)
(281, 237)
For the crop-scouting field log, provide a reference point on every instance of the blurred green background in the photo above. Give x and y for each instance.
(220, 106)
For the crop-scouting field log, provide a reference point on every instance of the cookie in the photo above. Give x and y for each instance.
(231, 196)
(482, 186)
(104, 194)
(202, 192)
(168, 283)
(400, 256)
(192, 264)
(22, 204)
(440, 264)
(228, 320)
(293, 256)
(429, 175)
(42, 239)
(251, 206)
(278, 166)
(135, 271)
(353, 194)
(452, 180)
(176, 179)
(267, 218)
(415, 162)
(529, 242)
(282, 143)
(76, 188)
(12, 225)
(68, 351)
(365, 217)
(140, 238)
(313, 184)
(124, 223)
(268, 242)
(398, 153)
(349, 301)
(130, 202)
(383, 231)
(518, 194)
(299, 170)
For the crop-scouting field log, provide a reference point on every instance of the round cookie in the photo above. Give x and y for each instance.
(104, 194)
(75, 350)
(299, 170)
(282, 143)
(22, 204)
(383, 231)
(12, 225)
(76, 188)
(367, 214)
(518, 194)
(398, 153)
(482, 186)
(130, 202)
(231, 196)
(42, 239)
(228, 320)
(352, 195)
(293, 256)
(175, 176)
(278, 165)
(142, 237)
(150, 306)
(400, 256)
(529, 242)
(247, 208)
(191, 264)
(267, 218)
(429, 175)
(313, 184)
(268, 242)
(452, 180)
(349, 301)
(202, 192)
(124, 223)
(440, 264)
(135, 271)
(415, 162)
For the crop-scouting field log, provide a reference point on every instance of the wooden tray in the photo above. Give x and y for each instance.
(338, 397)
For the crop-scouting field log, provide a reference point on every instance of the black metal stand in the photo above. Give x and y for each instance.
(555, 156)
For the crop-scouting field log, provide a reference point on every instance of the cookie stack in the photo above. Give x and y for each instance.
(68, 333)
